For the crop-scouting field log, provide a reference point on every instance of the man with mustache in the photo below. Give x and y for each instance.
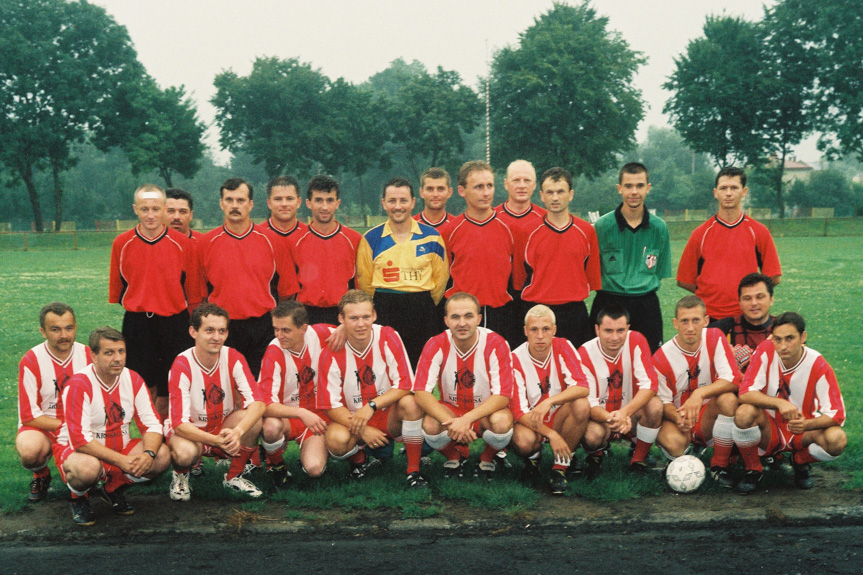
(179, 212)
(42, 375)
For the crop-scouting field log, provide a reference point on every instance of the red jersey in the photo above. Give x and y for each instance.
(562, 264)
(718, 255)
(536, 380)
(466, 379)
(42, 378)
(681, 372)
(159, 275)
(195, 235)
(246, 274)
(289, 237)
(326, 264)
(810, 385)
(480, 255)
(351, 378)
(290, 378)
(521, 225)
(421, 217)
(614, 381)
(205, 397)
(98, 411)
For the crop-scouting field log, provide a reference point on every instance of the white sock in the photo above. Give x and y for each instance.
(438, 441)
(497, 440)
(273, 447)
(818, 453)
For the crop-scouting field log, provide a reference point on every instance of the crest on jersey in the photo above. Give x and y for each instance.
(366, 376)
(306, 381)
(650, 260)
(544, 385)
(692, 374)
(114, 413)
(214, 395)
(615, 380)
(464, 378)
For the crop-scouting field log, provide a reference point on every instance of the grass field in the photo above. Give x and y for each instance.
(823, 280)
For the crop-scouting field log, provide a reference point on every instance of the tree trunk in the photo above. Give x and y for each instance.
(26, 173)
(165, 173)
(58, 197)
(362, 203)
(780, 172)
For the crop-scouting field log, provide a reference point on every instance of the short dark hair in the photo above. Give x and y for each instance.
(285, 181)
(470, 167)
(205, 309)
(180, 194)
(556, 174)
(612, 312)
(292, 309)
(354, 296)
(462, 295)
(689, 302)
(752, 279)
(56, 307)
(434, 173)
(324, 184)
(633, 168)
(397, 182)
(232, 184)
(104, 332)
(731, 172)
(791, 318)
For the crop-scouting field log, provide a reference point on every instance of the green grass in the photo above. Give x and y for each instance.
(823, 280)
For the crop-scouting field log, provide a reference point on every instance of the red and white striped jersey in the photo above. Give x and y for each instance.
(681, 372)
(291, 378)
(810, 385)
(205, 397)
(614, 381)
(466, 379)
(351, 378)
(42, 378)
(96, 411)
(535, 381)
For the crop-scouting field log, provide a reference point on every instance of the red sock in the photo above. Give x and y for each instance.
(451, 451)
(181, 470)
(116, 480)
(803, 456)
(559, 466)
(358, 458)
(641, 450)
(750, 457)
(256, 457)
(238, 463)
(275, 458)
(413, 451)
(721, 453)
(44, 472)
(488, 453)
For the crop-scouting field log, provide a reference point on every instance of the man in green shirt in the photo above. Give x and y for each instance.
(636, 254)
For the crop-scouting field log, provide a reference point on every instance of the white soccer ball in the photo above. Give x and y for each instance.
(685, 474)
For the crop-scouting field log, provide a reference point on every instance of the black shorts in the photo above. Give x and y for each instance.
(645, 315)
(328, 315)
(251, 337)
(502, 320)
(410, 314)
(572, 321)
(152, 344)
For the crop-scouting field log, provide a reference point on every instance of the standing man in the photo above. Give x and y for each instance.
(283, 199)
(247, 272)
(155, 276)
(435, 190)
(366, 389)
(326, 254)
(480, 250)
(636, 255)
(94, 443)
(698, 382)
(623, 386)
(550, 399)
(725, 248)
(471, 366)
(42, 376)
(789, 401)
(746, 331)
(289, 380)
(403, 265)
(216, 406)
(179, 212)
(562, 260)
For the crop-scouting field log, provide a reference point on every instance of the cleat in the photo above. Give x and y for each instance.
(639, 467)
(749, 483)
(39, 488)
(530, 471)
(180, 489)
(241, 485)
(576, 467)
(360, 470)
(82, 514)
(197, 470)
(417, 481)
(116, 500)
(280, 475)
(502, 460)
(484, 470)
(594, 465)
(454, 468)
(768, 462)
(802, 475)
(557, 482)
(722, 477)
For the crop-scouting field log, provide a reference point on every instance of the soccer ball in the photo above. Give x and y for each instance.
(685, 474)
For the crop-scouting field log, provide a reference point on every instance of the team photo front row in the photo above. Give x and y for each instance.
(345, 391)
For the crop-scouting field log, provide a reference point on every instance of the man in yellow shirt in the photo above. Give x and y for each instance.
(403, 265)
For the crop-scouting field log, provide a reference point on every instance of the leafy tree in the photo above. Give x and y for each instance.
(277, 114)
(825, 189)
(564, 94)
(61, 63)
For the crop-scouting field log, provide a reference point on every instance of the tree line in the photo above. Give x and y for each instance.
(83, 123)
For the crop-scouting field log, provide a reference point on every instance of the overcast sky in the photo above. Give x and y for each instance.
(190, 41)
